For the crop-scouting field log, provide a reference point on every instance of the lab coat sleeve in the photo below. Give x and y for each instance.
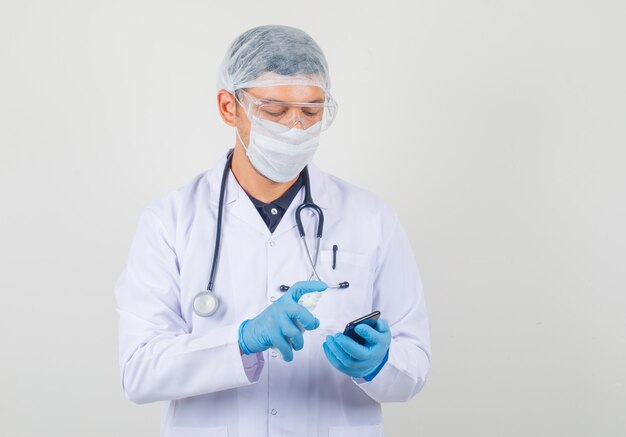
(160, 359)
(399, 296)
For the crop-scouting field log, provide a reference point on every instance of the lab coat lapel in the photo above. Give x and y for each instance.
(244, 209)
(236, 200)
(319, 187)
(289, 219)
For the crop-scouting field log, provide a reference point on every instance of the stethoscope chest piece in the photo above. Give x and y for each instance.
(205, 303)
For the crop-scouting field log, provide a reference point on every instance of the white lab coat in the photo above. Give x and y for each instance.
(168, 353)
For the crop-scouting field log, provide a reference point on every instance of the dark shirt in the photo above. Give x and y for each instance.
(273, 212)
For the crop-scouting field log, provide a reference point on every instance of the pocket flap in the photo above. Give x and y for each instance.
(356, 431)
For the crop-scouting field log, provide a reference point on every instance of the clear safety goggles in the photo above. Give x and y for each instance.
(288, 113)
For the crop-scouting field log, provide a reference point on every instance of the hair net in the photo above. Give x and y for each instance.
(271, 56)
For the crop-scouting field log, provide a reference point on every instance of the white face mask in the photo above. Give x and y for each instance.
(278, 152)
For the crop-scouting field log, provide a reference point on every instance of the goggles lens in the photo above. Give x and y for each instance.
(288, 113)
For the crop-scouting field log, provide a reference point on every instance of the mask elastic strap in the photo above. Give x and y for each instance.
(236, 128)
(241, 140)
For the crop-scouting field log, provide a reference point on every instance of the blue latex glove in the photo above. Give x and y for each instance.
(360, 361)
(278, 326)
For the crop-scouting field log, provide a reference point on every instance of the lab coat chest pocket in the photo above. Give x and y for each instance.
(356, 431)
(337, 307)
(187, 431)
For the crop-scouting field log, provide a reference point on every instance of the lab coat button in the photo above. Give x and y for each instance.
(274, 354)
(272, 243)
(272, 298)
(274, 412)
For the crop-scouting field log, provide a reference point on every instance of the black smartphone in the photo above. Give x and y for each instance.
(369, 319)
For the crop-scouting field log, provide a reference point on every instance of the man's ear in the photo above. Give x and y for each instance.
(227, 106)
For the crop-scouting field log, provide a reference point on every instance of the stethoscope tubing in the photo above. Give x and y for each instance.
(220, 212)
(207, 298)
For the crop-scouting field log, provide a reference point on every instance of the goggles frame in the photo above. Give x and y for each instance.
(276, 111)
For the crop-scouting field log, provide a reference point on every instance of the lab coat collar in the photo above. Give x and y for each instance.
(243, 207)
(319, 186)
(318, 181)
(215, 183)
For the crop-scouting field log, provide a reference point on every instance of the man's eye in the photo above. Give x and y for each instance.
(312, 112)
(274, 112)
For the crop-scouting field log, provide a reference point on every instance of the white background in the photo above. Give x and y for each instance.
(496, 129)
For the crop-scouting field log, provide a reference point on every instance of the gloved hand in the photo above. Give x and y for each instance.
(277, 325)
(360, 361)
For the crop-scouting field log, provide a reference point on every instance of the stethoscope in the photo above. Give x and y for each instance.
(206, 303)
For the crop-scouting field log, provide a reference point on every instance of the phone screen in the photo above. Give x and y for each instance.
(369, 319)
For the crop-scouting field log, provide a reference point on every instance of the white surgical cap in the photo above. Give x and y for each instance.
(271, 56)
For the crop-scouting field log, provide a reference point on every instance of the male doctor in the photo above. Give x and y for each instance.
(263, 353)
